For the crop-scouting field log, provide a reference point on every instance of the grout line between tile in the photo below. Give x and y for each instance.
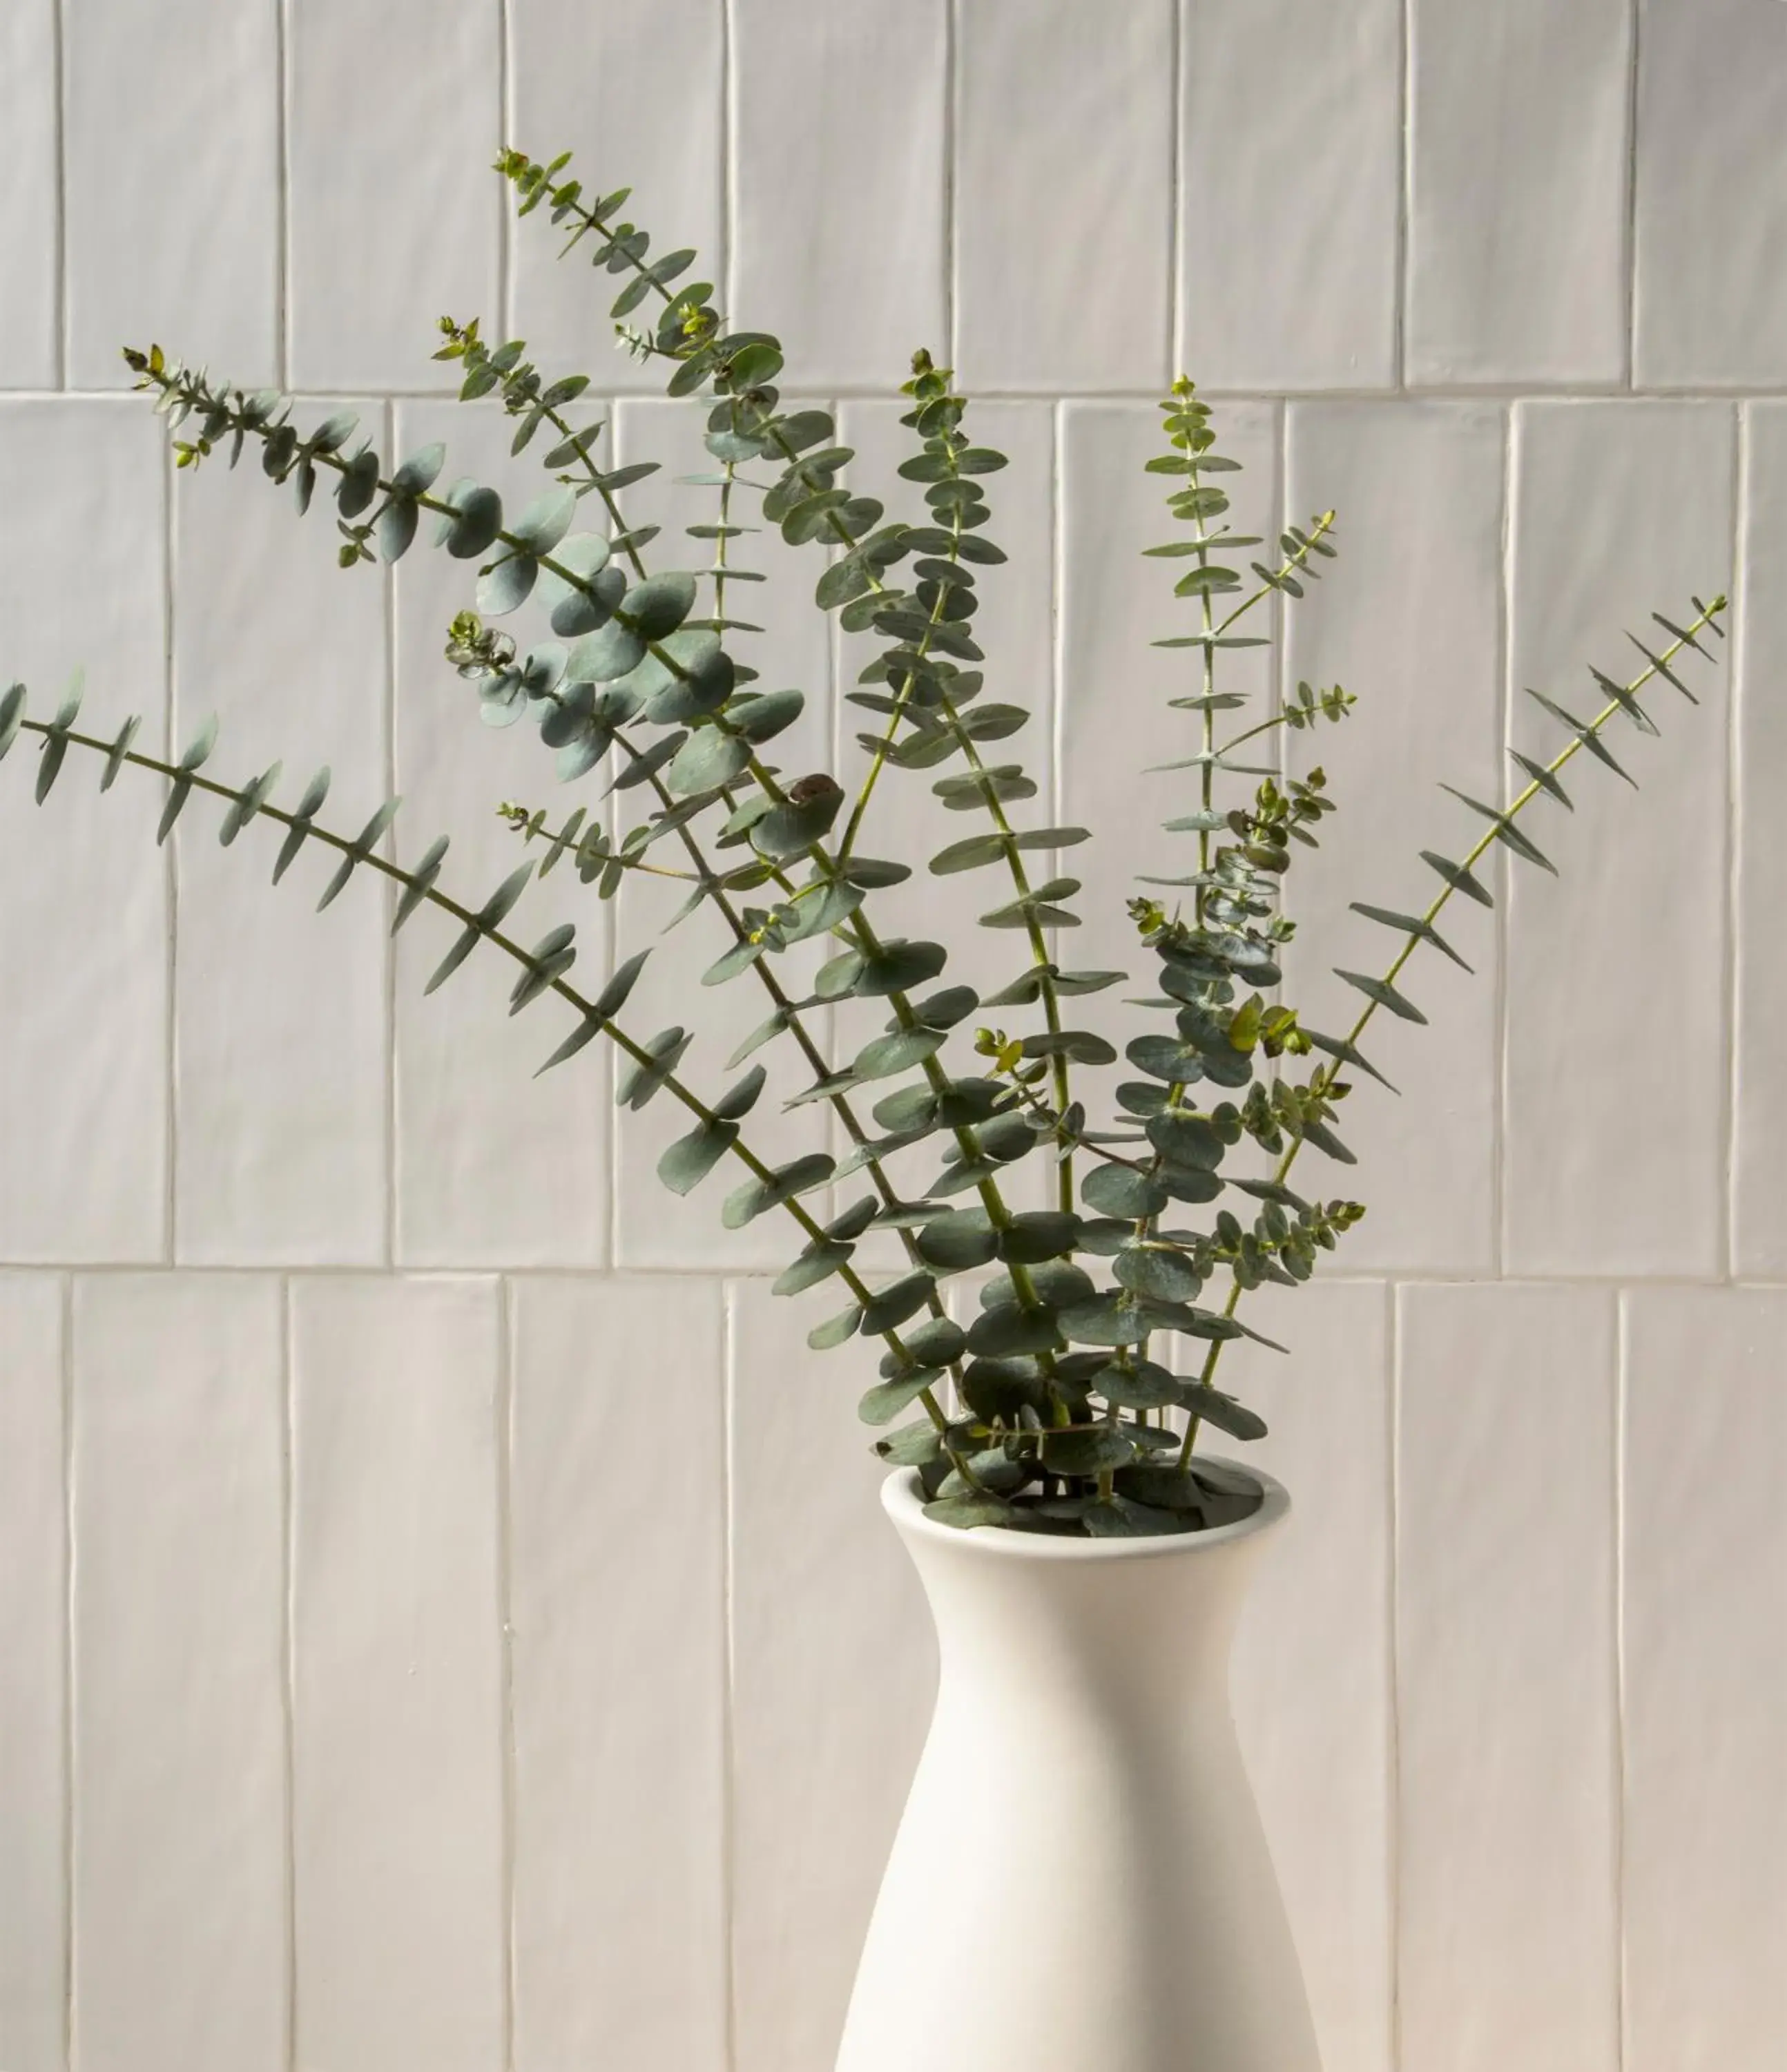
(58, 119)
(1057, 614)
(1621, 1368)
(1180, 63)
(1629, 223)
(728, 1820)
(1736, 700)
(421, 1269)
(505, 1436)
(67, 1380)
(170, 878)
(1498, 1119)
(726, 273)
(288, 1693)
(506, 130)
(952, 116)
(282, 193)
(1393, 1825)
(1585, 394)
(388, 946)
(1405, 193)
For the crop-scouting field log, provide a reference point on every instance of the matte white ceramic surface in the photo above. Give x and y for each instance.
(1080, 1880)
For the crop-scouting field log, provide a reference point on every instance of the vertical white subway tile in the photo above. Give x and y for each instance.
(838, 155)
(1711, 300)
(495, 1167)
(1506, 1679)
(398, 1702)
(1032, 73)
(636, 94)
(1705, 1663)
(180, 1912)
(83, 937)
(618, 1608)
(30, 320)
(654, 1227)
(1759, 1137)
(1312, 1671)
(1292, 122)
(281, 1091)
(833, 1676)
(394, 208)
(1419, 489)
(171, 150)
(1517, 238)
(1115, 723)
(33, 1582)
(1615, 1150)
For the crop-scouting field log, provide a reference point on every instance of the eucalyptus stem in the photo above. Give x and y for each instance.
(1623, 699)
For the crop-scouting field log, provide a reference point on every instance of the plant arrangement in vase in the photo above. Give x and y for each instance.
(1084, 1552)
(1050, 1410)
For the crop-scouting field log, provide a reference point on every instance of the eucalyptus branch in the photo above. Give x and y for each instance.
(717, 1134)
(1459, 877)
(1061, 1425)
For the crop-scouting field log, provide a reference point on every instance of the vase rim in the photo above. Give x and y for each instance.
(902, 1502)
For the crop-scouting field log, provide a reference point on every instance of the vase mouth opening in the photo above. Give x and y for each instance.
(902, 1499)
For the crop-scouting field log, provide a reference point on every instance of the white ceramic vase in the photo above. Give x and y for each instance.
(1080, 1882)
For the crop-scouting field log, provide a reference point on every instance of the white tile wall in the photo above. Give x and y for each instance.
(398, 1673)
(1518, 175)
(641, 92)
(171, 191)
(1290, 174)
(376, 1688)
(30, 323)
(1704, 1659)
(34, 1586)
(1712, 98)
(179, 1867)
(1508, 1856)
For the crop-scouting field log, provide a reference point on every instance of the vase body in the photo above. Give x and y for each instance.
(1080, 1882)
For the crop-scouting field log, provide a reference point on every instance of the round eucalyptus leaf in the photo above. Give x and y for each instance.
(1186, 1139)
(1211, 1406)
(1087, 1453)
(583, 556)
(817, 1263)
(658, 606)
(888, 1307)
(705, 683)
(611, 650)
(959, 1241)
(901, 966)
(885, 1402)
(505, 584)
(1159, 1271)
(835, 1330)
(1144, 1385)
(1120, 1190)
(1107, 1320)
(395, 527)
(1058, 1282)
(760, 716)
(997, 1334)
(897, 1053)
(583, 611)
(359, 484)
(477, 520)
(690, 1159)
(419, 473)
(571, 717)
(1036, 1234)
(546, 520)
(710, 756)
